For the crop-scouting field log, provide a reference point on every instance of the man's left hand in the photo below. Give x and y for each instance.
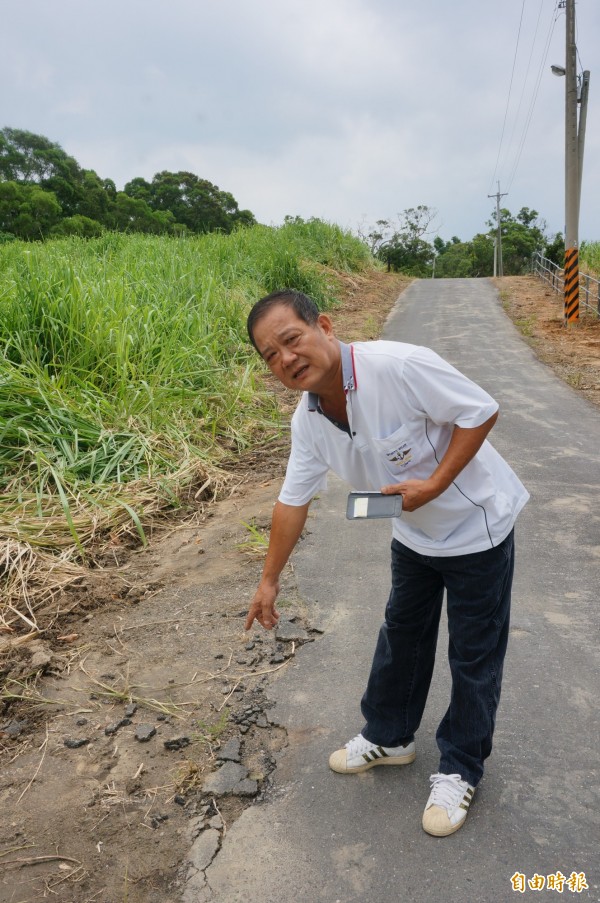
(415, 493)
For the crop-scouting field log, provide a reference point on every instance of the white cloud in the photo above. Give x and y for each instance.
(337, 108)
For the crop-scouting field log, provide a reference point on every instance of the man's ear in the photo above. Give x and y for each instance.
(326, 324)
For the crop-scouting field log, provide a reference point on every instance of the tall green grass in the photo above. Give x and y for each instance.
(125, 359)
(590, 257)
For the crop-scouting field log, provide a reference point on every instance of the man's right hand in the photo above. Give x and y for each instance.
(262, 607)
(286, 527)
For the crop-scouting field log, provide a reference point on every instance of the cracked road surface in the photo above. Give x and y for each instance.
(321, 837)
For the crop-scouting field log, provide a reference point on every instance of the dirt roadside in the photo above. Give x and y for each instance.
(109, 768)
(130, 701)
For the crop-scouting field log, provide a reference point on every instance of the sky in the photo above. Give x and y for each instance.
(347, 110)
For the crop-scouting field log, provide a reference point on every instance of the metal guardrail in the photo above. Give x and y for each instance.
(549, 272)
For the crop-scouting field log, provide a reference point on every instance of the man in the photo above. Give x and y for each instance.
(396, 417)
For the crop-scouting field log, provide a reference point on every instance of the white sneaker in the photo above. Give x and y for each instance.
(360, 754)
(448, 804)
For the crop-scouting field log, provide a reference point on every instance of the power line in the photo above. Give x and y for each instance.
(525, 80)
(509, 92)
(535, 95)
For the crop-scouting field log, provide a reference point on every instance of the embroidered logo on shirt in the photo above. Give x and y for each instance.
(400, 456)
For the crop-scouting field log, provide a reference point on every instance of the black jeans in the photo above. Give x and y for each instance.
(478, 588)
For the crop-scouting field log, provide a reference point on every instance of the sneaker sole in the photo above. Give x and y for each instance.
(384, 760)
(445, 833)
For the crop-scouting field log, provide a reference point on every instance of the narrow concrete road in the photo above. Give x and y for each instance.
(326, 838)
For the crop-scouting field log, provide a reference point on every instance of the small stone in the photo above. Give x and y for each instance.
(215, 822)
(219, 655)
(179, 800)
(144, 732)
(241, 660)
(81, 721)
(226, 691)
(76, 744)
(230, 751)
(246, 788)
(130, 710)
(161, 717)
(261, 721)
(288, 632)
(244, 728)
(111, 729)
(249, 646)
(224, 780)
(176, 743)
(13, 729)
(277, 659)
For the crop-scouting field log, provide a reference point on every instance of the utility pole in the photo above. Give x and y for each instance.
(583, 104)
(499, 195)
(571, 172)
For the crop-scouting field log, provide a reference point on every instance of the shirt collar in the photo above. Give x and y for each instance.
(348, 376)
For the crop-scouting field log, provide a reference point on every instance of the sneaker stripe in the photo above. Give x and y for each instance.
(382, 752)
(466, 800)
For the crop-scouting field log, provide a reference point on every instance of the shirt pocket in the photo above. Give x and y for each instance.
(399, 452)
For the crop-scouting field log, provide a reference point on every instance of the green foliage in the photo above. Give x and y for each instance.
(555, 250)
(402, 245)
(126, 356)
(590, 257)
(521, 236)
(27, 211)
(195, 203)
(83, 226)
(173, 203)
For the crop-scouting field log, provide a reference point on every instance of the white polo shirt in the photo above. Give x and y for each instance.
(403, 402)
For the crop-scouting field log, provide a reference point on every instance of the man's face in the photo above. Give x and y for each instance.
(302, 356)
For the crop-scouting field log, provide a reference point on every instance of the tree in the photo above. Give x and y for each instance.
(402, 245)
(96, 198)
(555, 250)
(196, 203)
(77, 225)
(134, 215)
(27, 211)
(34, 159)
(172, 202)
(521, 236)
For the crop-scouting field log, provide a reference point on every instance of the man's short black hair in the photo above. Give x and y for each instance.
(304, 307)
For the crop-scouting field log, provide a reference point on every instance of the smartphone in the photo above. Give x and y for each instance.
(373, 504)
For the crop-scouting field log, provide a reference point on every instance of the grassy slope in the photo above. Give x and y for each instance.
(126, 374)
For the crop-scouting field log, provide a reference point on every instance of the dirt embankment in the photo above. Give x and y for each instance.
(114, 721)
(573, 352)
